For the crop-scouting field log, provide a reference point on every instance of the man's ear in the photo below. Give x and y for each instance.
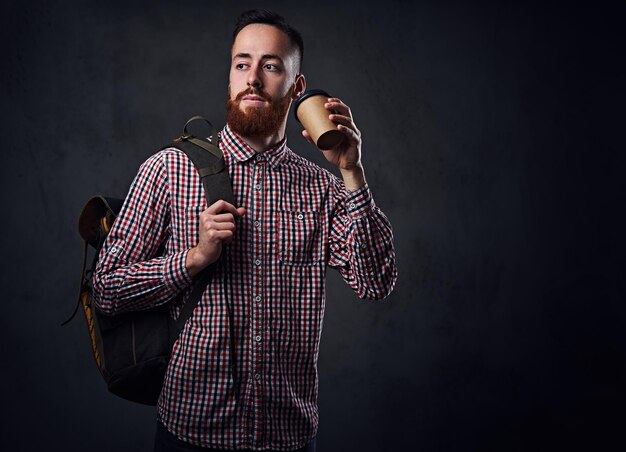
(299, 86)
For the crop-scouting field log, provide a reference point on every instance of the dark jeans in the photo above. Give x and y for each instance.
(164, 441)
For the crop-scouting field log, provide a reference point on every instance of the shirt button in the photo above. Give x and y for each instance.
(300, 216)
(257, 376)
(352, 206)
(257, 187)
(257, 338)
(257, 262)
(257, 224)
(258, 298)
(113, 250)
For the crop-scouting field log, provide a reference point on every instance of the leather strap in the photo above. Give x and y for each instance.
(82, 284)
(209, 163)
(199, 285)
(212, 172)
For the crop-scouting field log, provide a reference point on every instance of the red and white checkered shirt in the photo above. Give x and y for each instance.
(243, 372)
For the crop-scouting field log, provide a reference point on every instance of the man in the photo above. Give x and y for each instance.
(243, 373)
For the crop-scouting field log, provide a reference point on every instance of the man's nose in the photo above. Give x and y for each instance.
(254, 79)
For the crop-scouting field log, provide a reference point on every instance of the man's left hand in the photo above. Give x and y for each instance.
(347, 154)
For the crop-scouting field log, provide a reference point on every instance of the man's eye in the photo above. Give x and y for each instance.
(271, 67)
(240, 66)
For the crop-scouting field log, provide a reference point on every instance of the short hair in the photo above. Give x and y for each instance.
(263, 16)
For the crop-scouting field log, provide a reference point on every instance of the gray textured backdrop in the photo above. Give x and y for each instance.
(491, 140)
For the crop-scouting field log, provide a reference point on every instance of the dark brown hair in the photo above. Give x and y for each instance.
(263, 16)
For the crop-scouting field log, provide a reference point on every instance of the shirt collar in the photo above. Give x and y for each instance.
(240, 150)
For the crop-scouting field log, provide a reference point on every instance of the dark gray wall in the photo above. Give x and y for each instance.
(492, 141)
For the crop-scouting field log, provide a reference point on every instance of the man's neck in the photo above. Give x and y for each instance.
(262, 144)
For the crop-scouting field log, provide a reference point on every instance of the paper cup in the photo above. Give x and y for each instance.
(309, 110)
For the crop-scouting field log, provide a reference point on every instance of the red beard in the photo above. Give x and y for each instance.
(257, 121)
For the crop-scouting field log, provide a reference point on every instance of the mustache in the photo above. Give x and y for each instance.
(253, 92)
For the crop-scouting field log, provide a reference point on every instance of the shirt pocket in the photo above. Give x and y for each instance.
(299, 237)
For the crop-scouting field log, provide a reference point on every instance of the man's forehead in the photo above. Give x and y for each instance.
(258, 40)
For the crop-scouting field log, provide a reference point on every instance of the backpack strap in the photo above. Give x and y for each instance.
(94, 224)
(82, 282)
(208, 160)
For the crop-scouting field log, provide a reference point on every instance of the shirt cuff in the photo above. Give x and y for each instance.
(359, 202)
(175, 271)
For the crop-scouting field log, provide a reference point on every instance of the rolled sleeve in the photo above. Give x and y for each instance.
(359, 202)
(135, 271)
(175, 272)
(361, 244)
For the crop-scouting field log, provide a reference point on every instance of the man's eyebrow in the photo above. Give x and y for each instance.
(271, 56)
(267, 56)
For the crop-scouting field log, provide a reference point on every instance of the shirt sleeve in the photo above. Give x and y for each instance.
(132, 272)
(361, 243)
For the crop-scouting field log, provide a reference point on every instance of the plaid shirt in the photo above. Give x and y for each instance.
(243, 372)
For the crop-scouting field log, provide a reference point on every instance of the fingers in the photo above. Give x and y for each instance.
(307, 137)
(218, 221)
(213, 231)
(344, 120)
(221, 212)
(216, 224)
(335, 105)
(214, 235)
(347, 126)
(221, 221)
(221, 217)
(223, 206)
(353, 134)
(342, 116)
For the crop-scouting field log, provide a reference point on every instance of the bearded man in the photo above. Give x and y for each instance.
(243, 372)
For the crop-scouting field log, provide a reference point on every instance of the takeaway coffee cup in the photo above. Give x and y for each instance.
(310, 112)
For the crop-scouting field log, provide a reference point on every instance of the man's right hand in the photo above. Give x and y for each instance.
(216, 226)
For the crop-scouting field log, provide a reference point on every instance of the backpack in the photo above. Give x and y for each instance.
(132, 350)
